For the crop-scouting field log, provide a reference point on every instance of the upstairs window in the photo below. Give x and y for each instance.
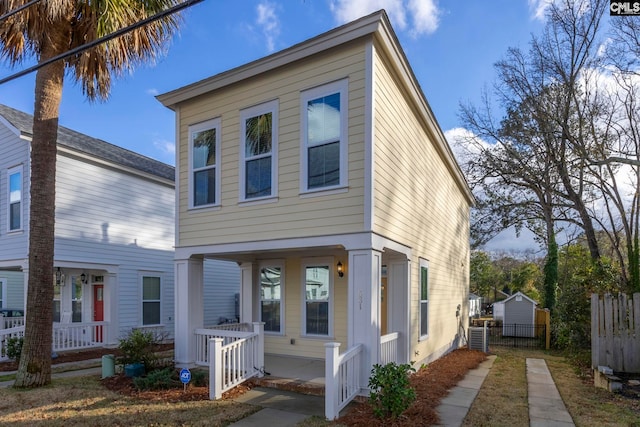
(15, 198)
(324, 137)
(258, 157)
(204, 154)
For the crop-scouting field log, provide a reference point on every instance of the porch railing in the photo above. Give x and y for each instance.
(11, 322)
(233, 363)
(66, 336)
(342, 377)
(228, 333)
(389, 348)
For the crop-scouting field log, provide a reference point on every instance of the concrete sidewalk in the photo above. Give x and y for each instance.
(63, 370)
(546, 408)
(454, 408)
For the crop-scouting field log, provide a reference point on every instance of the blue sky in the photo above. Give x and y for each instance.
(451, 45)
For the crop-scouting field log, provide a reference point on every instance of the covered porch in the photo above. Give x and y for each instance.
(340, 301)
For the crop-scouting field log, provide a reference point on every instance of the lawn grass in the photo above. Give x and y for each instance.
(503, 401)
(82, 401)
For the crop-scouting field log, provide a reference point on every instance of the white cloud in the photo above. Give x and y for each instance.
(424, 14)
(167, 148)
(539, 8)
(152, 91)
(268, 20)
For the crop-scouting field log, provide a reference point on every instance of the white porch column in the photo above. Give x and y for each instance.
(364, 272)
(246, 293)
(25, 279)
(189, 308)
(111, 305)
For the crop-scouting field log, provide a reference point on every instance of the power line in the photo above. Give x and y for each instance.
(19, 9)
(118, 33)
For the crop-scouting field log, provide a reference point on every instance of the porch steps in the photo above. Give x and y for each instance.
(288, 384)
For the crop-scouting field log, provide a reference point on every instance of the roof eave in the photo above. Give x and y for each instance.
(346, 33)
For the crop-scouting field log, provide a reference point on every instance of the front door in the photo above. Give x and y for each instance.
(98, 311)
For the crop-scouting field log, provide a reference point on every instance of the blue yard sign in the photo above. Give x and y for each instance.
(185, 376)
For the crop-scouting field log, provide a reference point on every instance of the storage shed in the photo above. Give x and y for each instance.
(475, 302)
(519, 316)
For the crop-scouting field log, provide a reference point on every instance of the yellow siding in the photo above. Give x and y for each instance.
(307, 347)
(417, 202)
(291, 215)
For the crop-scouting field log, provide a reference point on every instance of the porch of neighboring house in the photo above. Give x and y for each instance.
(83, 310)
(368, 322)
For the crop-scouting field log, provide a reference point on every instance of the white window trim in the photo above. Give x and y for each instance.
(317, 262)
(141, 277)
(3, 289)
(16, 169)
(199, 127)
(280, 265)
(342, 87)
(423, 264)
(267, 107)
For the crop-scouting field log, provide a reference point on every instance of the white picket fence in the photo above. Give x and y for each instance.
(66, 336)
(237, 361)
(342, 377)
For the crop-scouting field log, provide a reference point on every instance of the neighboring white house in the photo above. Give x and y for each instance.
(323, 172)
(114, 238)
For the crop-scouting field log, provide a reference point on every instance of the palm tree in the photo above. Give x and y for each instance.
(44, 31)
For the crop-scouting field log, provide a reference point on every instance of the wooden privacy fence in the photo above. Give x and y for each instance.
(615, 332)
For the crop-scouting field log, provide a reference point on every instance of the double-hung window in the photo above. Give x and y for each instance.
(15, 198)
(151, 300)
(324, 137)
(204, 155)
(424, 298)
(271, 298)
(318, 290)
(258, 154)
(76, 299)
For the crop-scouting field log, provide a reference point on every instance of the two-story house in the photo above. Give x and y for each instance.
(322, 171)
(114, 237)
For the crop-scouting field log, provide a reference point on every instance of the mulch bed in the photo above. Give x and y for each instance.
(431, 384)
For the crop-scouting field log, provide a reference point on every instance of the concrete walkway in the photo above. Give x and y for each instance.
(546, 408)
(454, 408)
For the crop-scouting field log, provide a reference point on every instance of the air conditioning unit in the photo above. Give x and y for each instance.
(479, 338)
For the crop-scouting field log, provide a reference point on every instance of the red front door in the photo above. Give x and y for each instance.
(98, 310)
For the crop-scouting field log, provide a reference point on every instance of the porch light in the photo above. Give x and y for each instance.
(340, 269)
(83, 278)
(58, 276)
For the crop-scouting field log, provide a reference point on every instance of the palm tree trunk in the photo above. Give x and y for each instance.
(35, 362)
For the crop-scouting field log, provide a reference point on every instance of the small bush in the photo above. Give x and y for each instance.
(161, 379)
(14, 348)
(391, 394)
(200, 378)
(138, 347)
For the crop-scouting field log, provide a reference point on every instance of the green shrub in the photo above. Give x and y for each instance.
(160, 379)
(200, 378)
(138, 347)
(14, 348)
(391, 394)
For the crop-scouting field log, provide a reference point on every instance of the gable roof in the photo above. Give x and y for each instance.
(376, 25)
(521, 295)
(92, 147)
